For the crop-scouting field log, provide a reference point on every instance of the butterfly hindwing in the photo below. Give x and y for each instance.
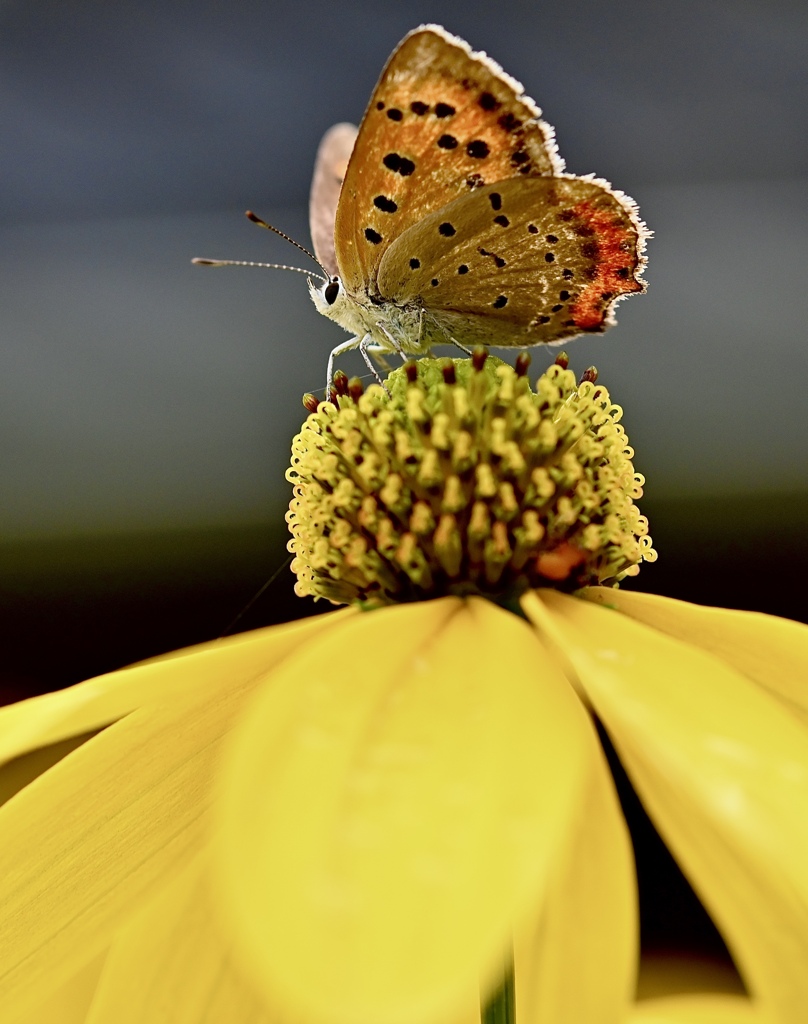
(442, 122)
(520, 262)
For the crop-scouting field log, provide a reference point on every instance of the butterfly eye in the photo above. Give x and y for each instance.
(331, 292)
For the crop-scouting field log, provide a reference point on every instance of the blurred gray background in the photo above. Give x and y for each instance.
(140, 392)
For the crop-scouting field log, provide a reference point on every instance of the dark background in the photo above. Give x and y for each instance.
(146, 406)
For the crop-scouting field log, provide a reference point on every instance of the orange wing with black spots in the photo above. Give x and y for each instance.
(442, 122)
(520, 262)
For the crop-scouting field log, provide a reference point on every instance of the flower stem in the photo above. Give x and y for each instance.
(500, 1007)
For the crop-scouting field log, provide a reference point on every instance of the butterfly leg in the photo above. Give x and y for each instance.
(458, 345)
(379, 354)
(449, 338)
(346, 346)
(394, 344)
(363, 349)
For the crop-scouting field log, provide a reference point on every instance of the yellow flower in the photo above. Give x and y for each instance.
(367, 818)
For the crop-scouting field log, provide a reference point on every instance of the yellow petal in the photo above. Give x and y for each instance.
(170, 964)
(83, 843)
(391, 808)
(23, 769)
(70, 1003)
(699, 1009)
(88, 706)
(771, 651)
(580, 962)
(721, 768)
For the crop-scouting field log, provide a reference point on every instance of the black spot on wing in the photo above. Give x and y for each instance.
(372, 236)
(444, 110)
(395, 114)
(447, 142)
(462, 269)
(500, 301)
(398, 164)
(502, 220)
(385, 204)
(509, 122)
(446, 229)
(488, 101)
(415, 263)
(495, 199)
(419, 108)
(498, 260)
(478, 149)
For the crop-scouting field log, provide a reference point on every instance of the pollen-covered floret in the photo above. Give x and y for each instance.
(461, 479)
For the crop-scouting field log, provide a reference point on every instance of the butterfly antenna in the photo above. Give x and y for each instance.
(263, 224)
(201, 262)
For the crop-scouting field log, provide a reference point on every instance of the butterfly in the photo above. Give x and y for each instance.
(446, 216)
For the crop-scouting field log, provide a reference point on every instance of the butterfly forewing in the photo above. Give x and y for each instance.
(330, 165)
(520, 262)
(441, 123)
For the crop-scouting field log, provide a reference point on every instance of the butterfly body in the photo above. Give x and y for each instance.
(447, 218)
(387, 326)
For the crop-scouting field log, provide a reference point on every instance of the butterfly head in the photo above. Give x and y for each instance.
(332, 300)
(326, 294)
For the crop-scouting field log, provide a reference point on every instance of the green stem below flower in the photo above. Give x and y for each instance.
(500, 1007)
